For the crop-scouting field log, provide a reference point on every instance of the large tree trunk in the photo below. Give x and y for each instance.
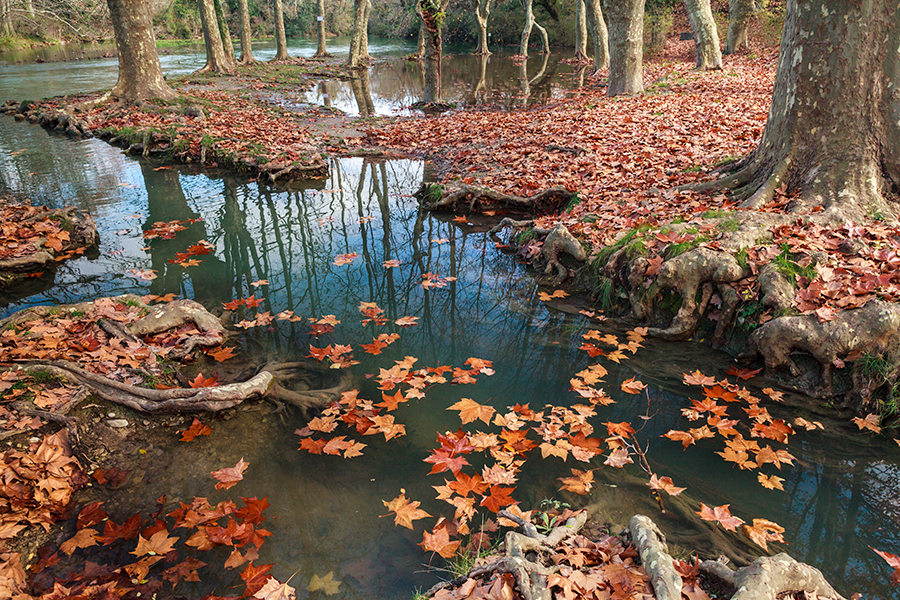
(431, 14)
(140, 74)
(833, 134)
(706, 38)
(6, 23)
(598, 33)
(581, 30)
(217, 61)
(529, 23)
(482, 12)
(223, 31)
(280, 37)
(360, 31)
(246, 41)
(739, 13)
(626, 46)
(321, 50)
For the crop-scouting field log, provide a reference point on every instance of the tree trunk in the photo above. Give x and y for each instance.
(140, 74)
(280, 37)
(6, 24)
(217, 61)
(598, 33)
(739, 13)
(29, 6)
(526, 31)
(833, 133)
(420, 44)
(223, 31)
(706, 38)
(246, 42)
(363, 94)
(626, 46)
(321, 51)
(432, 15)
(581, 30)
(360, 31)
(482, 12)
(364, 42)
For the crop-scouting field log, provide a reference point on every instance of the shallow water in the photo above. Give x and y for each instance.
(840, 498)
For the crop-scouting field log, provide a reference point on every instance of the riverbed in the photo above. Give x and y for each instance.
(840, 497)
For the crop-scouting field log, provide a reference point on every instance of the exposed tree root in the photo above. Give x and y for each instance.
(557, 241)
(544, 202)
(531, 575)
(769, 577)
(651, 544)
(175, 314)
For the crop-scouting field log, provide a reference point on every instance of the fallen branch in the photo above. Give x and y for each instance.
(544, 202)
(768, 577)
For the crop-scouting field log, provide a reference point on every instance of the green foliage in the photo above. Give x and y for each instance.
(573, 202)
(605, 292)
(464, 560)
(787, 266)
(42, 376)
(748, 315)
(524, 236)
(673, 250)
(714, 213)
(883, 371)
(694, 169)
(658, 22)
(743, 258)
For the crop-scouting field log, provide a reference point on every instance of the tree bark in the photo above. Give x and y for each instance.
(6, 24)
(246, 41)
(739, 13)
(420, 44)
(833, 133)
(529, 23)
(706, 38)
(581, 30)
(363, 94)
(280, 37)
(482, 12)
(217, 61)
(599, 34)
(140, 74)
(223, 31)
(358, 55)
(321, 50)
(626, 46)
(432, 18)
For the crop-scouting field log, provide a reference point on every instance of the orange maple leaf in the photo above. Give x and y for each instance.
(405, 511)
(229, 476)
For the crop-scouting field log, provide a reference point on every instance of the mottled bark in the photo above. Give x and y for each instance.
(217, 60)
(529, 23)
(280, 37)
(359, 37)
(706, 38)
(599, 34)
(432, 17)
(246, 41)
(6, 24)
(482, 12)
(420, 44)
(224, 31)
(321, 50)
(833, 133)
(739, 13)
(581, 30)
(626, 46)
(140, 74)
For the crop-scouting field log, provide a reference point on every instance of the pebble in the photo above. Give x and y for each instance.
(112, 414)
(117, 423)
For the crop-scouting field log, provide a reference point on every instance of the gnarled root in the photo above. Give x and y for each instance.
(558, 240)
(768, 577)
(544, 202)
(531, 576)
(688, 273)
(307, 399)
(175, 314)
(651, 544)
(872, 329)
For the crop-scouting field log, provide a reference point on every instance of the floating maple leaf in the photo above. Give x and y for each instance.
(720, 514)
(498, 498)
(762, 531)
(345, 259)
(698, 378)
(221, 354)
(870, 423)
(201, 382)
(630, 386)
(469, 411)
(326, 583)
(772, 483)
(229, 476)
(665, 484)
(407, 321)
(275, 590)
(438, 540)
(743, 373)
(388, 264)
(893, 561)
(405, 511)
(579, 483)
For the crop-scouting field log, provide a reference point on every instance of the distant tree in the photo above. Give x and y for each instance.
(432, 15)
(321, 51)
(246, 41)
(482, 12)
(530, 23)
(217, 60)
(706, 38)
(223, 30)
(626, 46)
(739, 13)
(280, 37)
(7, 28)
(581, 30)
(359, 39)
(140, 74)
(599, 33)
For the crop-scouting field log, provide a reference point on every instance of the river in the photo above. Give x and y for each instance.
(840, 497)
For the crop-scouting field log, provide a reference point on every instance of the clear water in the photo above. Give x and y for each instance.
(840, 498)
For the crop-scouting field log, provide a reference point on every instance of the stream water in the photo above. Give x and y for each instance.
(840, 497)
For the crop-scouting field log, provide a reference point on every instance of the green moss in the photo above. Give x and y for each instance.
(787, 266)
(726, 160)
(694, 169)
(714, 213)
(729, 224)
(524, 236)
(42, 376)
(743, 258)
(673, 250)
